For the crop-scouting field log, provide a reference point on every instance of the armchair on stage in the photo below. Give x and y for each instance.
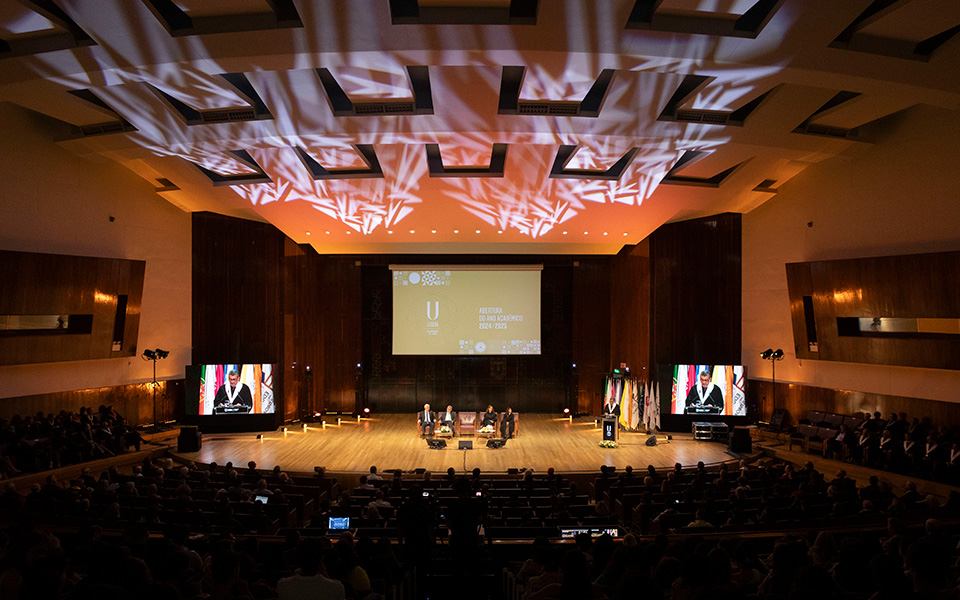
(467, 423)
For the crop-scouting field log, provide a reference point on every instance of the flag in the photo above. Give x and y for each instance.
(739, 397)
(625, 403)
(608, 390)
(656, 408)
(718, 378)
(635, 405)
(248, 376)
(647, 406)
(266, 401)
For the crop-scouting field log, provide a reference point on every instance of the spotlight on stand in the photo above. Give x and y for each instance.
(773, 356)
(155, 355)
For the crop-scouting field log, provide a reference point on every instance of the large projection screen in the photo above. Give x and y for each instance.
(466, 309)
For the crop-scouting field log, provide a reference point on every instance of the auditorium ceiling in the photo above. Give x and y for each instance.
(481, 126)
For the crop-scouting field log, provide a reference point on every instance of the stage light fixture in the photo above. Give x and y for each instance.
(366, 410)
(773, 356)
(162, 353)
(150, 355)
(260, 436)
(283, 429)
(566, 411)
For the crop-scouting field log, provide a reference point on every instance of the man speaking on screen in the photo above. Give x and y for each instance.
(705, 393)
(233, 393)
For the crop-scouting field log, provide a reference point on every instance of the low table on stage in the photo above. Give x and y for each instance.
(486, 434)
(443, 434)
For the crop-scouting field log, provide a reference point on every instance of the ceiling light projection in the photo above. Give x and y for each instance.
(364, 203)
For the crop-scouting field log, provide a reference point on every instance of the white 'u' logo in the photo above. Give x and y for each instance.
(436, 310)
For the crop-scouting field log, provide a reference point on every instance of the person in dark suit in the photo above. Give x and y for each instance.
(233, 393)
(426, 420)
(489, 418)
(705, 393)
(508, 424)
(448, 418)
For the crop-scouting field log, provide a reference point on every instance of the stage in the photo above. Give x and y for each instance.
(391, 441)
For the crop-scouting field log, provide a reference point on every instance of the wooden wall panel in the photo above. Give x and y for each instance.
(696, 295)
(591, 330)
(47, 284)
(134, 401)
(238, 296)
(236, 290)
(799, 399)
(630, 309)
(909, 286)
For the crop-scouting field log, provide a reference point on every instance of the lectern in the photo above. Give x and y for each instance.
(610, 429)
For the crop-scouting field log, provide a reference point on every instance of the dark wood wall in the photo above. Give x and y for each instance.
(134, 401)
(333, 312)
(630, 309)
(695, 307)
(798, 399)
(54, 284)
(237, 290)
(590, 317)
(909, 286)
(541, 383)
(696, 291)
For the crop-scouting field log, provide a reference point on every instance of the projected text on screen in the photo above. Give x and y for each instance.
(447, 311)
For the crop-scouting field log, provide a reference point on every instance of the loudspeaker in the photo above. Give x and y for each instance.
(466, 445)
(496, 443)
(189, 440)
(651, 441)
(740, 441)
(437, 444)
(777, 418)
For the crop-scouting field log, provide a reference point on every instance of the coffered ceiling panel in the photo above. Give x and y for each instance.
(473, 126)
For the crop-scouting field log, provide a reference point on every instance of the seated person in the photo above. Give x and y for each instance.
(448, 418)
(705, 393)
(489, 418)
(426, 420)
(508, 424)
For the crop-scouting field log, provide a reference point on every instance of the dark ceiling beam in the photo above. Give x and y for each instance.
(498, 161)
(511, 82)
(321, 173)
(243, 156)
(178, 23)
(409, 12)
(566, 152)
(646, 15)
(688, 158)
(421, 104)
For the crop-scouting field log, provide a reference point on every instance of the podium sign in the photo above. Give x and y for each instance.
(610, 429)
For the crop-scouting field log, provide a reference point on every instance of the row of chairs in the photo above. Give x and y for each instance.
(468, 423)
(827, 420)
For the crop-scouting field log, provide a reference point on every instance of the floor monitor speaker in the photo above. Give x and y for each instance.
(189, 440)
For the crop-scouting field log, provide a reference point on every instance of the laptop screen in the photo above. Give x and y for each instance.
(263, 499)
(339, 523)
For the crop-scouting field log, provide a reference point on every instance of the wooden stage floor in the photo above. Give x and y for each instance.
(392, 442)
